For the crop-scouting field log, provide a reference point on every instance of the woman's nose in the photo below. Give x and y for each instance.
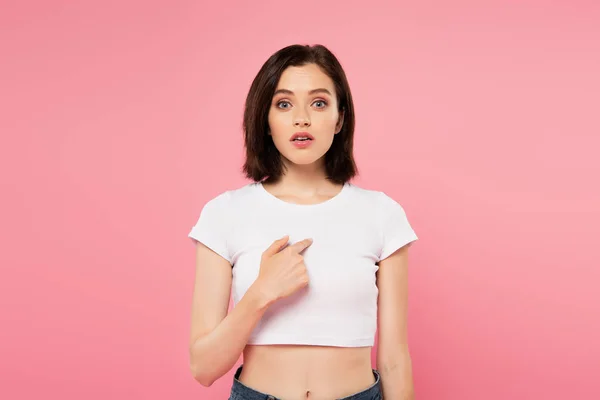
(302, 121)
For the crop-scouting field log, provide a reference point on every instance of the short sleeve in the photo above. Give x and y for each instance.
(396, 231)
(213, 225)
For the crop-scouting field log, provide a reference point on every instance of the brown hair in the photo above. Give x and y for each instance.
(263, 160)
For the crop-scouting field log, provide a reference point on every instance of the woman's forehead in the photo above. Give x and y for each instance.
(305, 79)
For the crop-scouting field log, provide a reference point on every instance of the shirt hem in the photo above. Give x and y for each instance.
(311, 340)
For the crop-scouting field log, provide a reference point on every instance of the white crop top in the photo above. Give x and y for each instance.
(351, 232)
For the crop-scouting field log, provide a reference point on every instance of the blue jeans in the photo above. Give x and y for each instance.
(239, 391)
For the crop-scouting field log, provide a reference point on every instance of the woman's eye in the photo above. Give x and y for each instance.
(318, 103)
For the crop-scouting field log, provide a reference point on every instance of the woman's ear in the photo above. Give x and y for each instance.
(340, 123)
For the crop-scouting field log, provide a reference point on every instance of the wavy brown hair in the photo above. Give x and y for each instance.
(263, 160)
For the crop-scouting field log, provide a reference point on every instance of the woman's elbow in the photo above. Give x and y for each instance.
(201, 376)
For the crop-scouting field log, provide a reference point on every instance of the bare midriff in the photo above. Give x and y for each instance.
(307, 372)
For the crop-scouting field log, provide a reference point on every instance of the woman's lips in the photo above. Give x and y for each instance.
(301, 144)
(305, 139)
(302, 135)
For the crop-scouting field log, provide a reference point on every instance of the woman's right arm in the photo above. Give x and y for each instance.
(218, 338)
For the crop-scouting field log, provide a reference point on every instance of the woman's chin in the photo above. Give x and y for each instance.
(304, 160)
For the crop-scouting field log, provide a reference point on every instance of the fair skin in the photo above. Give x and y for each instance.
(218, 338)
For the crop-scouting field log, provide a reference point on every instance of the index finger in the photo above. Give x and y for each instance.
(301, 245)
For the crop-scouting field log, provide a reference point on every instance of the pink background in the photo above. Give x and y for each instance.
(119, 119)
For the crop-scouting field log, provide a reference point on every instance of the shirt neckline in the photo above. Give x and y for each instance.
(282, 203)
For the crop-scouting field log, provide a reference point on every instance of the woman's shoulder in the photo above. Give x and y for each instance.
(371, 194)
(233, 194)
(381, 201)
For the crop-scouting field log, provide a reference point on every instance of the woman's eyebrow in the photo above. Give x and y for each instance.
(287, 91)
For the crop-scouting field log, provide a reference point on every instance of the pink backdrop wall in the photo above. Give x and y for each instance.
(119, 119)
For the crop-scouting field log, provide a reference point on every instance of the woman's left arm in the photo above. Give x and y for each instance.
(393, 358)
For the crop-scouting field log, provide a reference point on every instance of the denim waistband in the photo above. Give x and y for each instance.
(239, 391)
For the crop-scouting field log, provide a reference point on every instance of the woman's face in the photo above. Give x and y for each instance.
(304, 102)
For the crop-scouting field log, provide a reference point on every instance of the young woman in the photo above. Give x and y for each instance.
(316, 264)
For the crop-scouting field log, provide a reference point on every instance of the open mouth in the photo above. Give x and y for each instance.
(301, 137)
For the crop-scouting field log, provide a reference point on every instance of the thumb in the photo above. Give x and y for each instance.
(276, 246)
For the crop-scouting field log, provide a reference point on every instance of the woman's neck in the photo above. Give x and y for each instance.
(304, 181)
